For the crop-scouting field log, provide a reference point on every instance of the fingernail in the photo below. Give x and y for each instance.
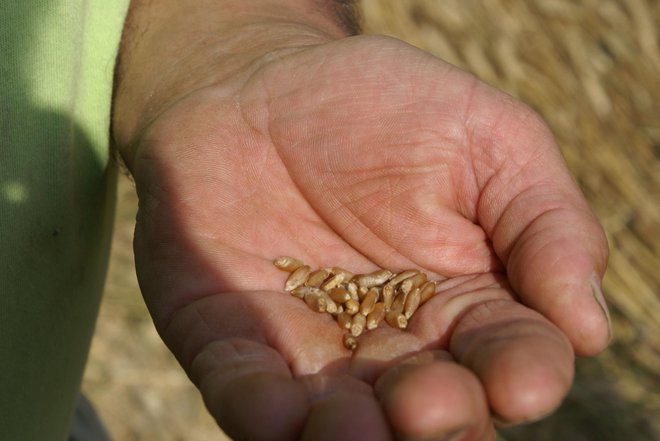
(503, 423)
(598, 295)
(456, 435)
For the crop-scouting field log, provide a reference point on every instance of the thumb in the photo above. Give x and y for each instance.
(541, 226)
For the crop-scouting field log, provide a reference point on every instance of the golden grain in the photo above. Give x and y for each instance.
(300, 291)
(399, 302)
(426, 292)
(376, 316)
(351, 307)
(412, 303)
(396, 319)
(332, 282)
(388, 295)
(330, 305)
(316, 301)
(339, 295)
(398, 278)
(372, 279)
(317, 277)
(345, 320)
(335, 270)
(362, 291)
(353, 290)
(369, 300)
(418, 280)
(406, 286)
(350, 342)
(360, 302)
(297, 278)
(286, 263)
(358, 324)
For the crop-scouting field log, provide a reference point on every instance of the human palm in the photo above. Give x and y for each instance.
(365, 153)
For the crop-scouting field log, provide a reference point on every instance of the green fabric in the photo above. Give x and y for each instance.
(56, 202)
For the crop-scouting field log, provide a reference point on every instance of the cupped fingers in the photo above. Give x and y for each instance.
(524, 362)
(249, 390)
(430, 397)
(343, 408)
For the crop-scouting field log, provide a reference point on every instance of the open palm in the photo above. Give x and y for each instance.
(366, 153)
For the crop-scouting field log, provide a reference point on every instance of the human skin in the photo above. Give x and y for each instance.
(256, 129)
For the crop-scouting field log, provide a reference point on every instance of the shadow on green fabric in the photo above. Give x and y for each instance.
(56, 204)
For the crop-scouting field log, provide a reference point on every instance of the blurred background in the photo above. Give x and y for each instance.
(591, 68)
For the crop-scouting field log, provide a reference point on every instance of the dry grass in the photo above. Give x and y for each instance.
(592, 69)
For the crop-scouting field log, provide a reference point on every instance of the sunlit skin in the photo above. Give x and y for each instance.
(362, 153)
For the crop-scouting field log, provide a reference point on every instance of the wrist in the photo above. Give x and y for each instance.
(171, 48)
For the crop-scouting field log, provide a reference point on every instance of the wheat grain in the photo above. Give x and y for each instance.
(369, 301)
(376, 316)
(372, 279)
(358, 324)
(297, 278)
(286, 263)
(361, 302)
(340, 295)
(412, 303)
(317, 277)
(350, 342)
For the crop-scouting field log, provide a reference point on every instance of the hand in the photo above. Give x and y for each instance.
(366, 153)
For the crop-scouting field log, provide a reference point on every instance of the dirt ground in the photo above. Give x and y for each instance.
(592, 69)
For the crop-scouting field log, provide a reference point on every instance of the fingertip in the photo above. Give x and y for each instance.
(253, 408)
(524, 384)
(556, 277)
(580, 315)
(523, 361)
(249, 390)
(346, 416)
(433, 399)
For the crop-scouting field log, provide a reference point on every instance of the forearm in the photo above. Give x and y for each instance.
(171, 48)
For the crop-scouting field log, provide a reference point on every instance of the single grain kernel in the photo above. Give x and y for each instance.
(358, 324)
(376, 316)
(332, 282)
(406, 286)
(339, 295)
(412, 303)
(399, 302)
(317, 277)
(350, 342)
(388, 296)
(316, 301)
(330, 305)
(351, 307)
(286, 263)
(353, 290)
(344, 320)
(398, 278)
(362, 291)
(372, 279)
(297, 278)
(335, 270)
(396, 320)
(426, 292)
(301, 291)
(369, 301)
(418, 280)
